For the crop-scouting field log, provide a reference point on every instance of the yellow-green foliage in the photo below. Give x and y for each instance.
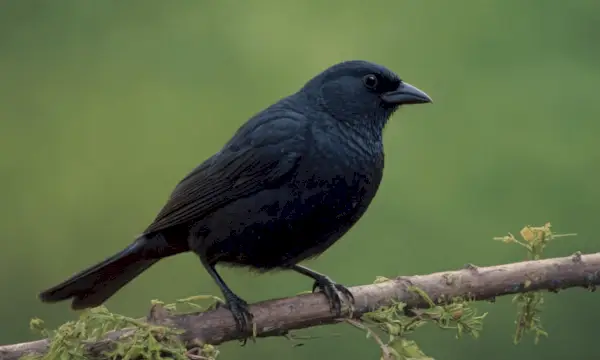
(141, 340)
(535, 240)
(456, 314)
(153, 342)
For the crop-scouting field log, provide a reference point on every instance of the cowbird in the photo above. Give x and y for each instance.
(290, 182)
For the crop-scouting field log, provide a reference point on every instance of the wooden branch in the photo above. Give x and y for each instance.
(277, 317)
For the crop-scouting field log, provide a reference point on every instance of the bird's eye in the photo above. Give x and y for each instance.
(371, 81)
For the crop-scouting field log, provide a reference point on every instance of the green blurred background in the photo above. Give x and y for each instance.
(105, 105)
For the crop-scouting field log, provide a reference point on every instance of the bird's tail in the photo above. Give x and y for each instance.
(93, 286)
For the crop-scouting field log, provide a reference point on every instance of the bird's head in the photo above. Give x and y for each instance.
(361, 91)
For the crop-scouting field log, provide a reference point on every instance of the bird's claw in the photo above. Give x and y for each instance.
(332, 291)
(241, 314)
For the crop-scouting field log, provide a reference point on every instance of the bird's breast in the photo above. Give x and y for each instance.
(340, 179)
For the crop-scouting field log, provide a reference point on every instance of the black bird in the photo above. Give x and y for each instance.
(289, 183)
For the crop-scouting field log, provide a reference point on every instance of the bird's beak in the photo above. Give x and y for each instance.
(406, 94)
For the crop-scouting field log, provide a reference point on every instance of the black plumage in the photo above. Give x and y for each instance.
(290, 182)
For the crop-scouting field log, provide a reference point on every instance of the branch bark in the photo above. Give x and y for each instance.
(277, 317)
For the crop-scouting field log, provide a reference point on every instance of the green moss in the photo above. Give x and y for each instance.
(456, 314)
(153, 342)
(141, 340)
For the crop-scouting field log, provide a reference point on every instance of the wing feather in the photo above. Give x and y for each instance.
(225, 177)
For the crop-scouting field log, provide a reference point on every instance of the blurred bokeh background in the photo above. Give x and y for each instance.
(105, 105)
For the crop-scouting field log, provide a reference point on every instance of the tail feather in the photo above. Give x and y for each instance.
(93, 286)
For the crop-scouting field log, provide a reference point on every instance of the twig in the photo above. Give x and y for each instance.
(277, 317)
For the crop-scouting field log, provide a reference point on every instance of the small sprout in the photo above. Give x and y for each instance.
(192, 303)
(304, 292)
(510, 238)
(405, 349)
(204, 352)
(528, 234)
(471, 267)
(457, 314)
(380, 279)
(535, 239)
(387, 353)
(576, 257)
(529, 319)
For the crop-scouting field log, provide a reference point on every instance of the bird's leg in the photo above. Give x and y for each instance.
(329, 287)
(236, 305)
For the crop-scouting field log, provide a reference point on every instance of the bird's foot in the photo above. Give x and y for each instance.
(241, 314)
(332, 291)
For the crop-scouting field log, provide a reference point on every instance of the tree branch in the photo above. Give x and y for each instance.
(277, 317)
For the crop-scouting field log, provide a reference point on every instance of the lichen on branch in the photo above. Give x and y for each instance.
(395, 307)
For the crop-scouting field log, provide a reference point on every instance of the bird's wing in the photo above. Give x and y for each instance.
(225, 177)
